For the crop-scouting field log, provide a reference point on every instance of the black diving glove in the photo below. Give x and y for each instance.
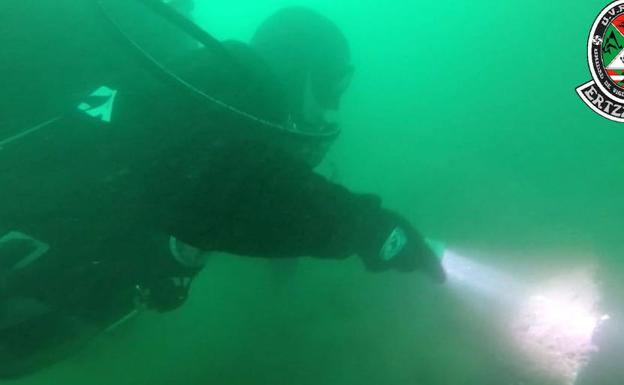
(394, 244)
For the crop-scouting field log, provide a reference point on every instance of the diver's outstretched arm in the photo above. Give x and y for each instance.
(258, 201)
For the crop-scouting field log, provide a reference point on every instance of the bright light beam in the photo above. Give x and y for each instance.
(554, 323)
(479, 279)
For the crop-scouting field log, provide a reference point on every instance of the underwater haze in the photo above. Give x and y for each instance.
(462, 116)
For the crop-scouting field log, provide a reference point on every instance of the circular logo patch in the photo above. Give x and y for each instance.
(605, 55)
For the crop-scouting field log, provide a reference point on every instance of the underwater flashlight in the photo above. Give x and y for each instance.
(552, 324)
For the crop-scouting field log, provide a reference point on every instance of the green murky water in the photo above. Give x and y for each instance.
(462, 115)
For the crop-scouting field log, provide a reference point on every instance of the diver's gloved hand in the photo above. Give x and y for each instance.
(394, 244)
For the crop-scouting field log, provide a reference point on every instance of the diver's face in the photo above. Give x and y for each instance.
(318, 114)
(331, 85)
(322, 95)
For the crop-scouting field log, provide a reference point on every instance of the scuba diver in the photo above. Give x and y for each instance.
(113, 205)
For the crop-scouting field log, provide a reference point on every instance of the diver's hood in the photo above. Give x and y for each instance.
(311, 56)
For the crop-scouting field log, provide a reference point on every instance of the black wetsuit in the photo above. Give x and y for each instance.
(107, 196)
